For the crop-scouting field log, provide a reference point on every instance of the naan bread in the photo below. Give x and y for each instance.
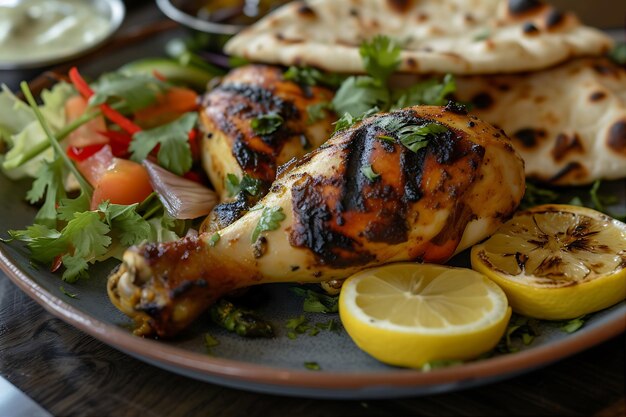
(568, 122)
(438, 36)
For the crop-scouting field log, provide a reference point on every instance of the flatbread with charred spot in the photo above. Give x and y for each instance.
(437, 36)
(568, 122)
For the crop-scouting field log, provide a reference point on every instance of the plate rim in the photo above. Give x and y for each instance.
(235, 370)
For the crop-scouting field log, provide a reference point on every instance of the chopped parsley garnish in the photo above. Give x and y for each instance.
(214, 239)
(316, 302)
(331, 325)
(381, 57)
(210, 342)
(347, 120)
(237, 61)
(440, 363)
(297, 325)
(536, 195)
(312, 366)
(618, 53)
(71, 295)
(300, 325)
(369, 173)
(482, 35)
(234, 186)
(270, 219)
(573, 325)
(266, 123)
(523, 327)
(317, 111)
(303, 75)
(174, 150)
(312, 76)
(416, 137)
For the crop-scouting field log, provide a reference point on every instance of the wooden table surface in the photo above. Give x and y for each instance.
(72, 374)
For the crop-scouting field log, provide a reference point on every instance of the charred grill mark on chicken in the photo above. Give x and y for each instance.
(336, 217)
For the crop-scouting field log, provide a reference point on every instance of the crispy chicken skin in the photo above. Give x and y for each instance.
(230, 144)
(425, 206)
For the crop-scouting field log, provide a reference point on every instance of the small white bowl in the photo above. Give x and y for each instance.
(112, 10)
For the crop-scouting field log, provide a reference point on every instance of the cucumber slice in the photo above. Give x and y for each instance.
(171, 69)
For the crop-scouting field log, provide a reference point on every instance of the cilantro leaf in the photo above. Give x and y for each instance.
(266, 123)
(128, 226)
(43, 242)
(316, 112)
(369, 172)
(136, 90)
(303, 75)
(347, 120)
(432, 92)
(416, 137)
(75, 267)
(381, 57)
(82, 240)
(270, 220)
(67, 207)
(312, 76)
(87, 234)
(49, 184)
(248, 184)
(357, 95)
(174, 152)
(315, 302)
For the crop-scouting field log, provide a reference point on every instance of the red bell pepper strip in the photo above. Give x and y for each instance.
(80, 154)
(111, 114)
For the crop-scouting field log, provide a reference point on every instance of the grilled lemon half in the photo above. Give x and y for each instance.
(557, 261)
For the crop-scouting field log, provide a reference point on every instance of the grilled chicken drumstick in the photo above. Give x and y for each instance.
(361, 199)
(288, 128)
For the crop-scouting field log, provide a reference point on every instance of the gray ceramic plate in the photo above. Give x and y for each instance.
(275, 365)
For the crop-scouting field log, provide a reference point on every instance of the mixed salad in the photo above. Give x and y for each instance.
(115, 161)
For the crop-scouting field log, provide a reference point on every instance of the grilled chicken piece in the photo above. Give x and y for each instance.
(424, 206)
(231, 146)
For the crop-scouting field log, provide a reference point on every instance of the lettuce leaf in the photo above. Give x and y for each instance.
(20, 130)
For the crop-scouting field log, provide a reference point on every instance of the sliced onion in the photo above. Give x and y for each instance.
(182, 198)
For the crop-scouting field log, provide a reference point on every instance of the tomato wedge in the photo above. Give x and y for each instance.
(124, 182)
(87, 134)
(169, 106)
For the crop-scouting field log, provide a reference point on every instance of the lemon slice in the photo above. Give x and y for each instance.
(557, 261)
(408, 314)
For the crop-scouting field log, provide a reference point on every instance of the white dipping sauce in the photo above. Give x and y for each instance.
(44, 29)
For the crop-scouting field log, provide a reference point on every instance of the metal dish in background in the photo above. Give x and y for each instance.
(113, 11)
(218, 17)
